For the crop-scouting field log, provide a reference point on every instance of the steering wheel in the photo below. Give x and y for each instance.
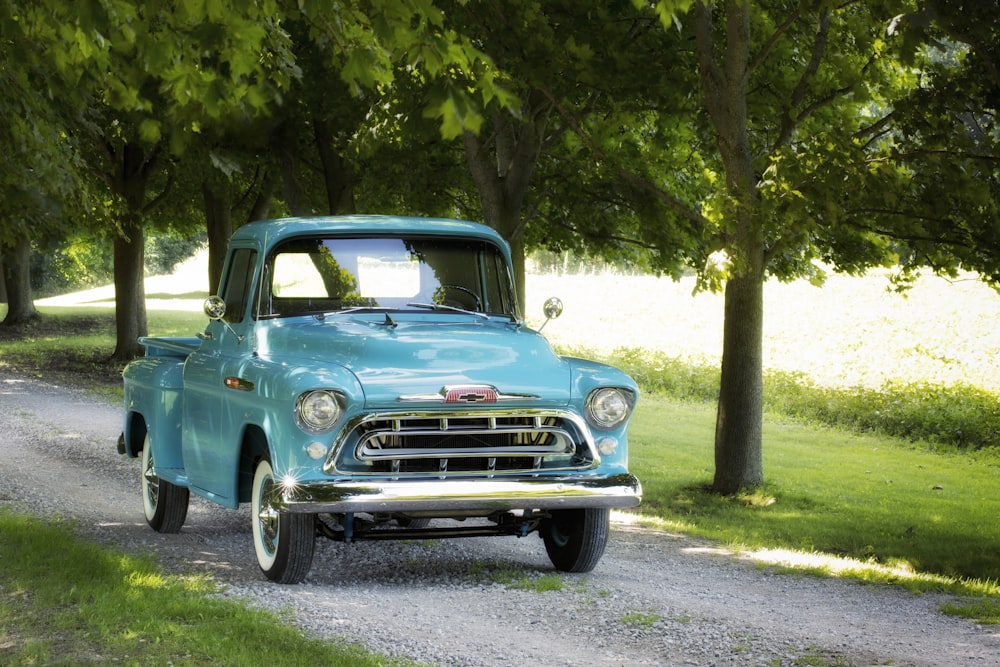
(466, 290)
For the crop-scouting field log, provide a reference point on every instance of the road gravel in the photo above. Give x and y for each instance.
(655, 598)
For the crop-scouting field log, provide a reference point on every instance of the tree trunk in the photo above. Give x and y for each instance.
(738, 428)
(130, 292)
(261, 206)
(16, 279)
(337, 176)
(502, 164)
(285, 143)
(219, 221)
(129, 182)
(738, 436)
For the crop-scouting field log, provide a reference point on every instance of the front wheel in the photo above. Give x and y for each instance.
(164, 504)
(575, 539)
(282, 541)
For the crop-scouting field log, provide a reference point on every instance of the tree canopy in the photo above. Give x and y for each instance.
(738, 140)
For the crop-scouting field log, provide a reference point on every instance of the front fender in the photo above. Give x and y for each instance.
(270, 409)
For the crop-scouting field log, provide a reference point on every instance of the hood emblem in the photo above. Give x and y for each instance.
(472, 394)
(468, 394)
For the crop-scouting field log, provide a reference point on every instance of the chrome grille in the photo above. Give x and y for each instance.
(464, 444)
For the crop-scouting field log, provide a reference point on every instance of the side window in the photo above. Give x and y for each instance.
(497, 284)
(239, 283)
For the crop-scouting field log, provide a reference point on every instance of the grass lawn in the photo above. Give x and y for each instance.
(67, 602)
(875, 500)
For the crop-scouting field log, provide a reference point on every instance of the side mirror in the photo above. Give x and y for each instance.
(553, 308)
(215, 307)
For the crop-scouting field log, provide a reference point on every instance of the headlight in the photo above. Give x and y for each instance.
(317, 411)
(608, 407)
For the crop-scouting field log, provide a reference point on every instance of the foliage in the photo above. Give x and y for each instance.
(40, 179)
(82, 260)
(959, 416)
(165, 251)
(982, 610)
(953, 416)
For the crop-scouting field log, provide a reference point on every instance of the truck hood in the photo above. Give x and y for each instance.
(417, 359)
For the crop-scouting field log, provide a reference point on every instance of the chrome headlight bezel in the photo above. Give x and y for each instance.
(318, 410)
(607, 408)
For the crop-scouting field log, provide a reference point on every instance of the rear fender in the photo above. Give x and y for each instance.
(153, 400)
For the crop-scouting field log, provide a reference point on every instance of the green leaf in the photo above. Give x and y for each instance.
(150, 131)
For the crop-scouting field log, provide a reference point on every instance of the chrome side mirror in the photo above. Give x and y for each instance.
(215, 308)
(553, 308)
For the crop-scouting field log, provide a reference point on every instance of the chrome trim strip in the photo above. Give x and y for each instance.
(485, 495)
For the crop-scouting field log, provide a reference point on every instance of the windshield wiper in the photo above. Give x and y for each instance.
(451, 309)
(359, 309)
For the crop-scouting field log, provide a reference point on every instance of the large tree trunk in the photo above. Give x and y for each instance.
(501, 165)
(16, 279)
(738, 429)
(738, 437)
(129, 182)
(130, 292)
(285, 142)
(337, 176)
(219, 221)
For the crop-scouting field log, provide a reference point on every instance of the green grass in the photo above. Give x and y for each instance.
(65, 601)
(925, 517)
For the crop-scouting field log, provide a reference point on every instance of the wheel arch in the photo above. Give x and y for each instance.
(253, 447)
(135, 434)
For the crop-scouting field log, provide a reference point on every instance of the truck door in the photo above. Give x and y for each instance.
(211, 443)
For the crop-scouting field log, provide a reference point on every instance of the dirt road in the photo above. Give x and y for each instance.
(655, 598)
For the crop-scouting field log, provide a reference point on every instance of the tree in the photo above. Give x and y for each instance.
(807, 109)
(941, 150)
(791, 97)
(153, 72)
(565, 65)
(39, 181)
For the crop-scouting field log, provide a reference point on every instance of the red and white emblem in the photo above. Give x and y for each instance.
(470, 394)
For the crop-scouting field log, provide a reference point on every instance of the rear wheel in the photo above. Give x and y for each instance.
(575, 539)
(282, 541)
(164, 504)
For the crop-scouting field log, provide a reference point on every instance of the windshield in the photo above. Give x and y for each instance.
(331, 274)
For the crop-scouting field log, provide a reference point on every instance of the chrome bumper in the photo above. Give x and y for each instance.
(446, 495)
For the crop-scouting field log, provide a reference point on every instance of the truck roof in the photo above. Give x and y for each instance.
(266, 232)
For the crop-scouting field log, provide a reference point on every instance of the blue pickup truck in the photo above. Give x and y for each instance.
(370, 377)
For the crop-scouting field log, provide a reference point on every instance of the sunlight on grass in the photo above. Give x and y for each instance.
(824, 564)
(837, 504)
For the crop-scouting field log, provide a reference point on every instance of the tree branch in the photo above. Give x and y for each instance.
(630, 177)
(761, 56)
(788, 122)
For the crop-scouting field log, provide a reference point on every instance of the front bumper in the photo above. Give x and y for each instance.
(450, 495)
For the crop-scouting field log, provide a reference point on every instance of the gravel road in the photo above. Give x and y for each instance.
(655, 598)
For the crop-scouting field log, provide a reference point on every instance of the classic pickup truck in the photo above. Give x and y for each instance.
(370, 377)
